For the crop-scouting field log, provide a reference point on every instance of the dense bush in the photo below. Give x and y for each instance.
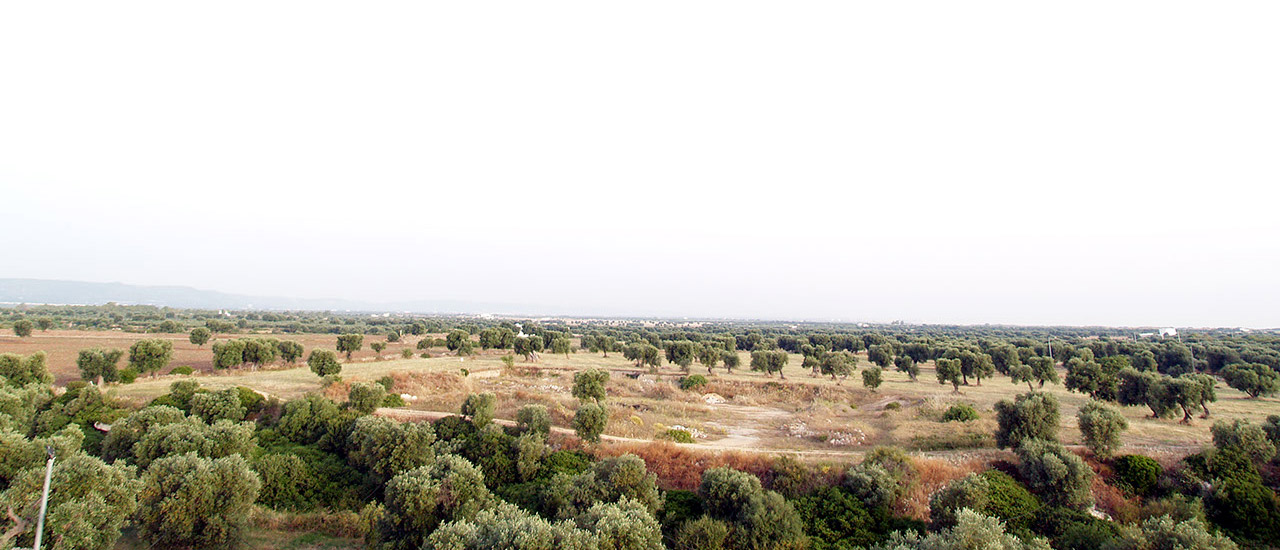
(366, 397)
(1136, 474)
(480, 408)
(678, 435)
(756, 518)
(834, 518)
(181, 369)
(960, 412)
(993, 493)
(534, 419)
(693, 382)
(972, 531)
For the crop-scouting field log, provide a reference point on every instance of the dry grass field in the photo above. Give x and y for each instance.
(744, 410)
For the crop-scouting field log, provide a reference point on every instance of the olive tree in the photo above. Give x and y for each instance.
(150, 356)
(906, 364)
(1146, 388)
(1101, 427)
(730, 359)
(1059, 476)
(682, 353)
(769, 362)
(757, 518)
(199, 336)
(643, 353)
(126, 432)
(350, 343)
(214, 406)
(384, 447)
(1250, 439)
(1042, 370)
(22, 328)
(1164, 532)
(528, 346)
(228, 354)
(590, 384)
(289, 350)
(458, 341)
(871, 378)
(99, 364)
(1255, 379)
(709, 354)
(260, 351)
(562, 346)
(948, 371)
(420, 500)
(90, 500)
(190, 501)
(839, 365)
(1030, 416)
(590, 420)
(323, 362)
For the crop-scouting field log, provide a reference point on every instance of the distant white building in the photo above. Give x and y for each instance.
(1168, 332)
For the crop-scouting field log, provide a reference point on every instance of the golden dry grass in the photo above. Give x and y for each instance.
(760, 410)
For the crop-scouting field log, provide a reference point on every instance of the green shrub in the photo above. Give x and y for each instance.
(564, 462)
(951, 441)
(183, 369)
(1136, 474)
(834, 517)
(387, 382)
(128, 375)
(166, 400)
(893, 406)
(677, 435)
(1009, 500)
(693, 382)
(960, 412)
(331, 379)
(393, 400)
(252, 401)
(678, 507)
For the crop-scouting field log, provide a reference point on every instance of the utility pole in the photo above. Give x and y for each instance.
(44, 500)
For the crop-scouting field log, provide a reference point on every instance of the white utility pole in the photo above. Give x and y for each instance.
(44, 500)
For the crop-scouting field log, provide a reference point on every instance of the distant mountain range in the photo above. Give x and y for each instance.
(44, 291)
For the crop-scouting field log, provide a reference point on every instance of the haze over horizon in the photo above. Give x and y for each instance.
(991, 162)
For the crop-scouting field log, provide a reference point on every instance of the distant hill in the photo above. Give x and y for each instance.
(44, 291)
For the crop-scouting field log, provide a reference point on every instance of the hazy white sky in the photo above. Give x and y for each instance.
(1007, 162)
